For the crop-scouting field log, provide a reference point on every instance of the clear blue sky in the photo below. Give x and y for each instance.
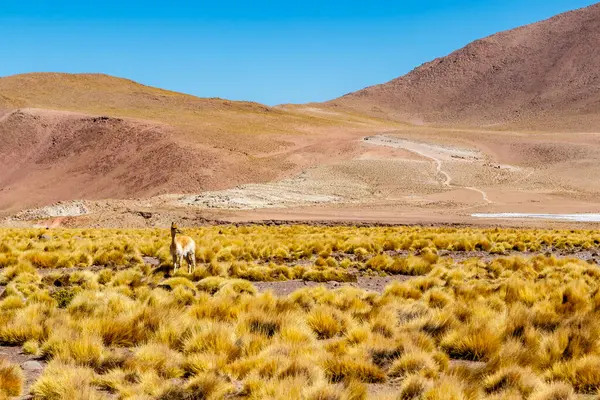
(272, 52)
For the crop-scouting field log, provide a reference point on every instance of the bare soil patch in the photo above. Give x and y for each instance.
(370, 283)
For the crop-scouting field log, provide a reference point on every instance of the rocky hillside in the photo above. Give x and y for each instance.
(543, 75)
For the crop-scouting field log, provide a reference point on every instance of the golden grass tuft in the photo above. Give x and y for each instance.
(13, 271)
(84, 350)
(352, 390)
(11, 379)
(346, 368)
(554, 391)
(512, 379)
(447, 388)
(172, 283)
(326, 322)
(264, 324)
(158, 357)
(65, 382)
(207, 386)
(12, 302)
(474, 343)
(414, 387)
(216, 338)
(28, 324)
(31, 347)
(416, 362)
(583, 373)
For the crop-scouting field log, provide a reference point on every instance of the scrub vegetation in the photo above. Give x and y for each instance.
(479, 314)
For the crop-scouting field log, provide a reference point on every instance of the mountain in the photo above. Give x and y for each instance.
(541, 76)
(94, 136)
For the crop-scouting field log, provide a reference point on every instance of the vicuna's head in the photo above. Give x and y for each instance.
(174, 228)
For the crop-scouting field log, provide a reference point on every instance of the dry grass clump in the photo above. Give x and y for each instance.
(29, 323)
(11, 379)
(582, 373)
(414, 387)
(471, 342)
(63, 345)
(347, 368)
(264, 324)
(326, 322)
(512, 380)
(447, 387)
(206, 386)
(555, 391)
(415, 362)
(65, 382)
(157, 357)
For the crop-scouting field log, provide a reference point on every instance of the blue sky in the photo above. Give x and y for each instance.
(272, 52)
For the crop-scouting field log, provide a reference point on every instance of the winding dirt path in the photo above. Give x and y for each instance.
(431, 152)
(440, 171)
(483, 193)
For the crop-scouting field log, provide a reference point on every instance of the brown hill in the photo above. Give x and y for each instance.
(543, 75)
(72, 136)
(49, 156)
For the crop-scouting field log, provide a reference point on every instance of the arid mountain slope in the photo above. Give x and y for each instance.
(51, 156)
(539, 76)
(99, 92)
(72, 136)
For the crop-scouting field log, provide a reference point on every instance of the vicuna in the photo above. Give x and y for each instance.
(182, 246)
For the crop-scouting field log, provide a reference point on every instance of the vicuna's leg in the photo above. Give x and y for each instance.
(180, 262)
(191, 260)
(174, 262)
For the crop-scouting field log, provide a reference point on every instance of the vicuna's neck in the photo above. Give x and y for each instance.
(173, 233)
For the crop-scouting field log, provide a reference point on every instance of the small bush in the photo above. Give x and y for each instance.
(65, 296)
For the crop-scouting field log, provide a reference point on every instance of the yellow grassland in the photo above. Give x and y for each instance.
(491, 326)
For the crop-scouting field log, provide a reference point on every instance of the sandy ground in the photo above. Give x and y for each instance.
(407, 176)
(440, 176)
(300, 163)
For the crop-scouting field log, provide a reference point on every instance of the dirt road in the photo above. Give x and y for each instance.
(436, 153)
